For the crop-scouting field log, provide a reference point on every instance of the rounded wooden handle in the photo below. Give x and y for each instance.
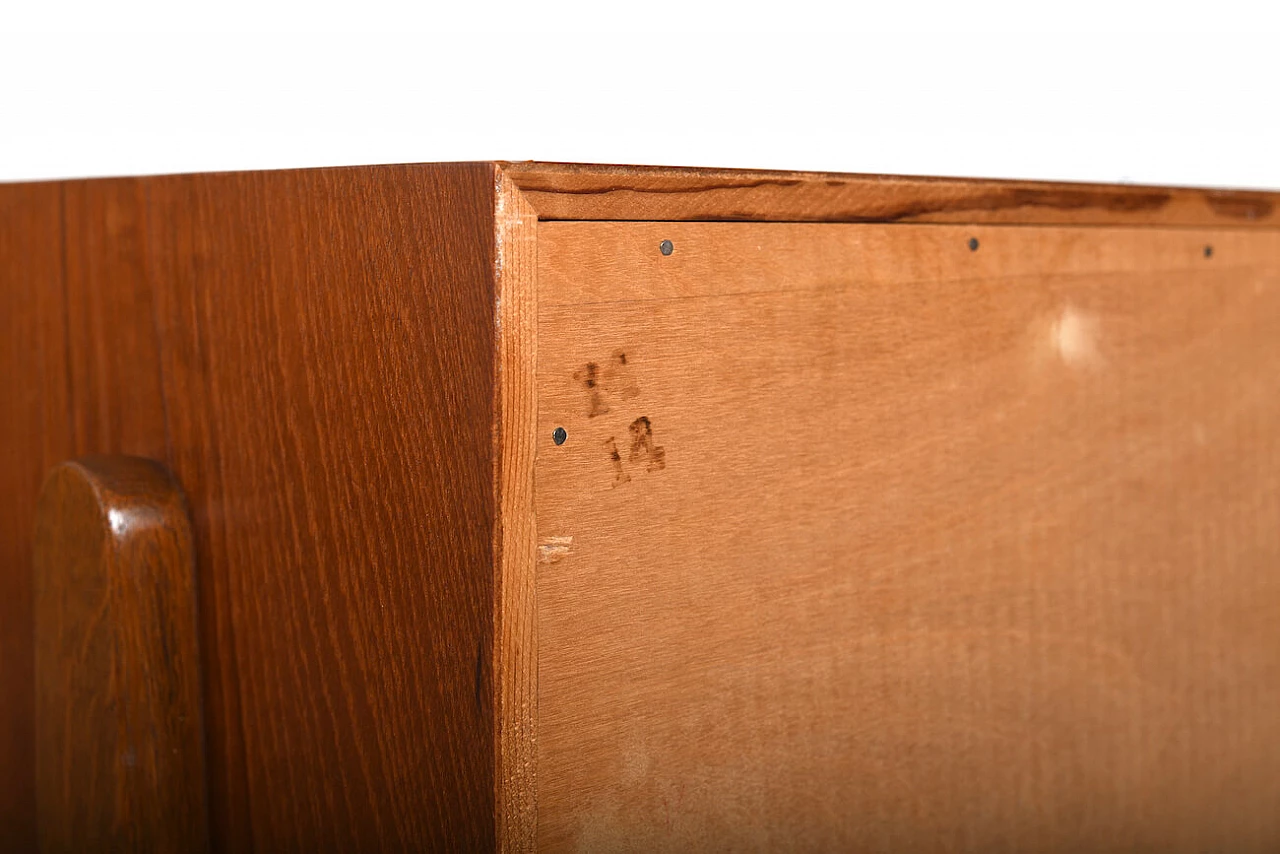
(119, 743)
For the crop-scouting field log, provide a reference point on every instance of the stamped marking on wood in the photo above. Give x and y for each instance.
(589, 376)
(606, 382)
(644, 451)
(643, 448)
(620, 475)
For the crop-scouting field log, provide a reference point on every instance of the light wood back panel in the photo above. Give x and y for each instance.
(881, 542)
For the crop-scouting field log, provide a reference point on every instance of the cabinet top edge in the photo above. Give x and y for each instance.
(570, 191)
(560, 191)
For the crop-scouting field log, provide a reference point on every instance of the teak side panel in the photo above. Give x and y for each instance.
(116, 403)
(34, 435)
(313, 354)
(328, 368)
(984, 562)
(84, 379)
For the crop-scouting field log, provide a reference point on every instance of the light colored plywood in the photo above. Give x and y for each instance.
(972, 558)
(725, 259)
(564, 191)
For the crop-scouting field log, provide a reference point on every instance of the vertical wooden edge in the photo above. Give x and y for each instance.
(515, 548)
(119, 732)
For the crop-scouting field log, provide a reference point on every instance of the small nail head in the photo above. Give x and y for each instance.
(559, 436)
(1208, 252)
(666, 247)
(973, 244)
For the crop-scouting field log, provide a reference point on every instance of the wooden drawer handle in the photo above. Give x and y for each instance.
(119, 745)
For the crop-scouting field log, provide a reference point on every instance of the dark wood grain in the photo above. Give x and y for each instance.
(119, 742)
(328, 355)
(312, 354)
(83, 378)
(582, 192)
(113, 354)
(33, 436)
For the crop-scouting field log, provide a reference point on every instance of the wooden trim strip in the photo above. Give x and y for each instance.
(635, 193)
(515, 614)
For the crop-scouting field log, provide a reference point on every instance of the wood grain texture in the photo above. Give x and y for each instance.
(728, 261)
(515, 611)
(85, 380)
(119, 740)
(842, 558)
(328, 356)
(33, 436)
(341, 367)
(313, 354)
(115, 402)
(559, 191)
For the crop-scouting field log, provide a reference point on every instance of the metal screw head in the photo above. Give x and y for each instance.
(666, 247)
(559, 436)
(973, 244)
(1208, 252)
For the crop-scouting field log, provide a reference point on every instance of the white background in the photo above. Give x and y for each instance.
(1153, 93)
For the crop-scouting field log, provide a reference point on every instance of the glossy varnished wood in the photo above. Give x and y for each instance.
(327, 358)
(33, 436)
(119, 741)
(313, 355)
(863, 539)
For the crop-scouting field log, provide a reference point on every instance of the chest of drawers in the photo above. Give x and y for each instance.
(527, 506)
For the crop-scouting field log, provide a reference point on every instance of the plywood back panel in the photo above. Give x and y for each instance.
(861, 538)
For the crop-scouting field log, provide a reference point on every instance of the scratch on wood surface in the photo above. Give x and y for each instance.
(553, 549)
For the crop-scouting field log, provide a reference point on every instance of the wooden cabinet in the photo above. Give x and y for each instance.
(594, 508)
